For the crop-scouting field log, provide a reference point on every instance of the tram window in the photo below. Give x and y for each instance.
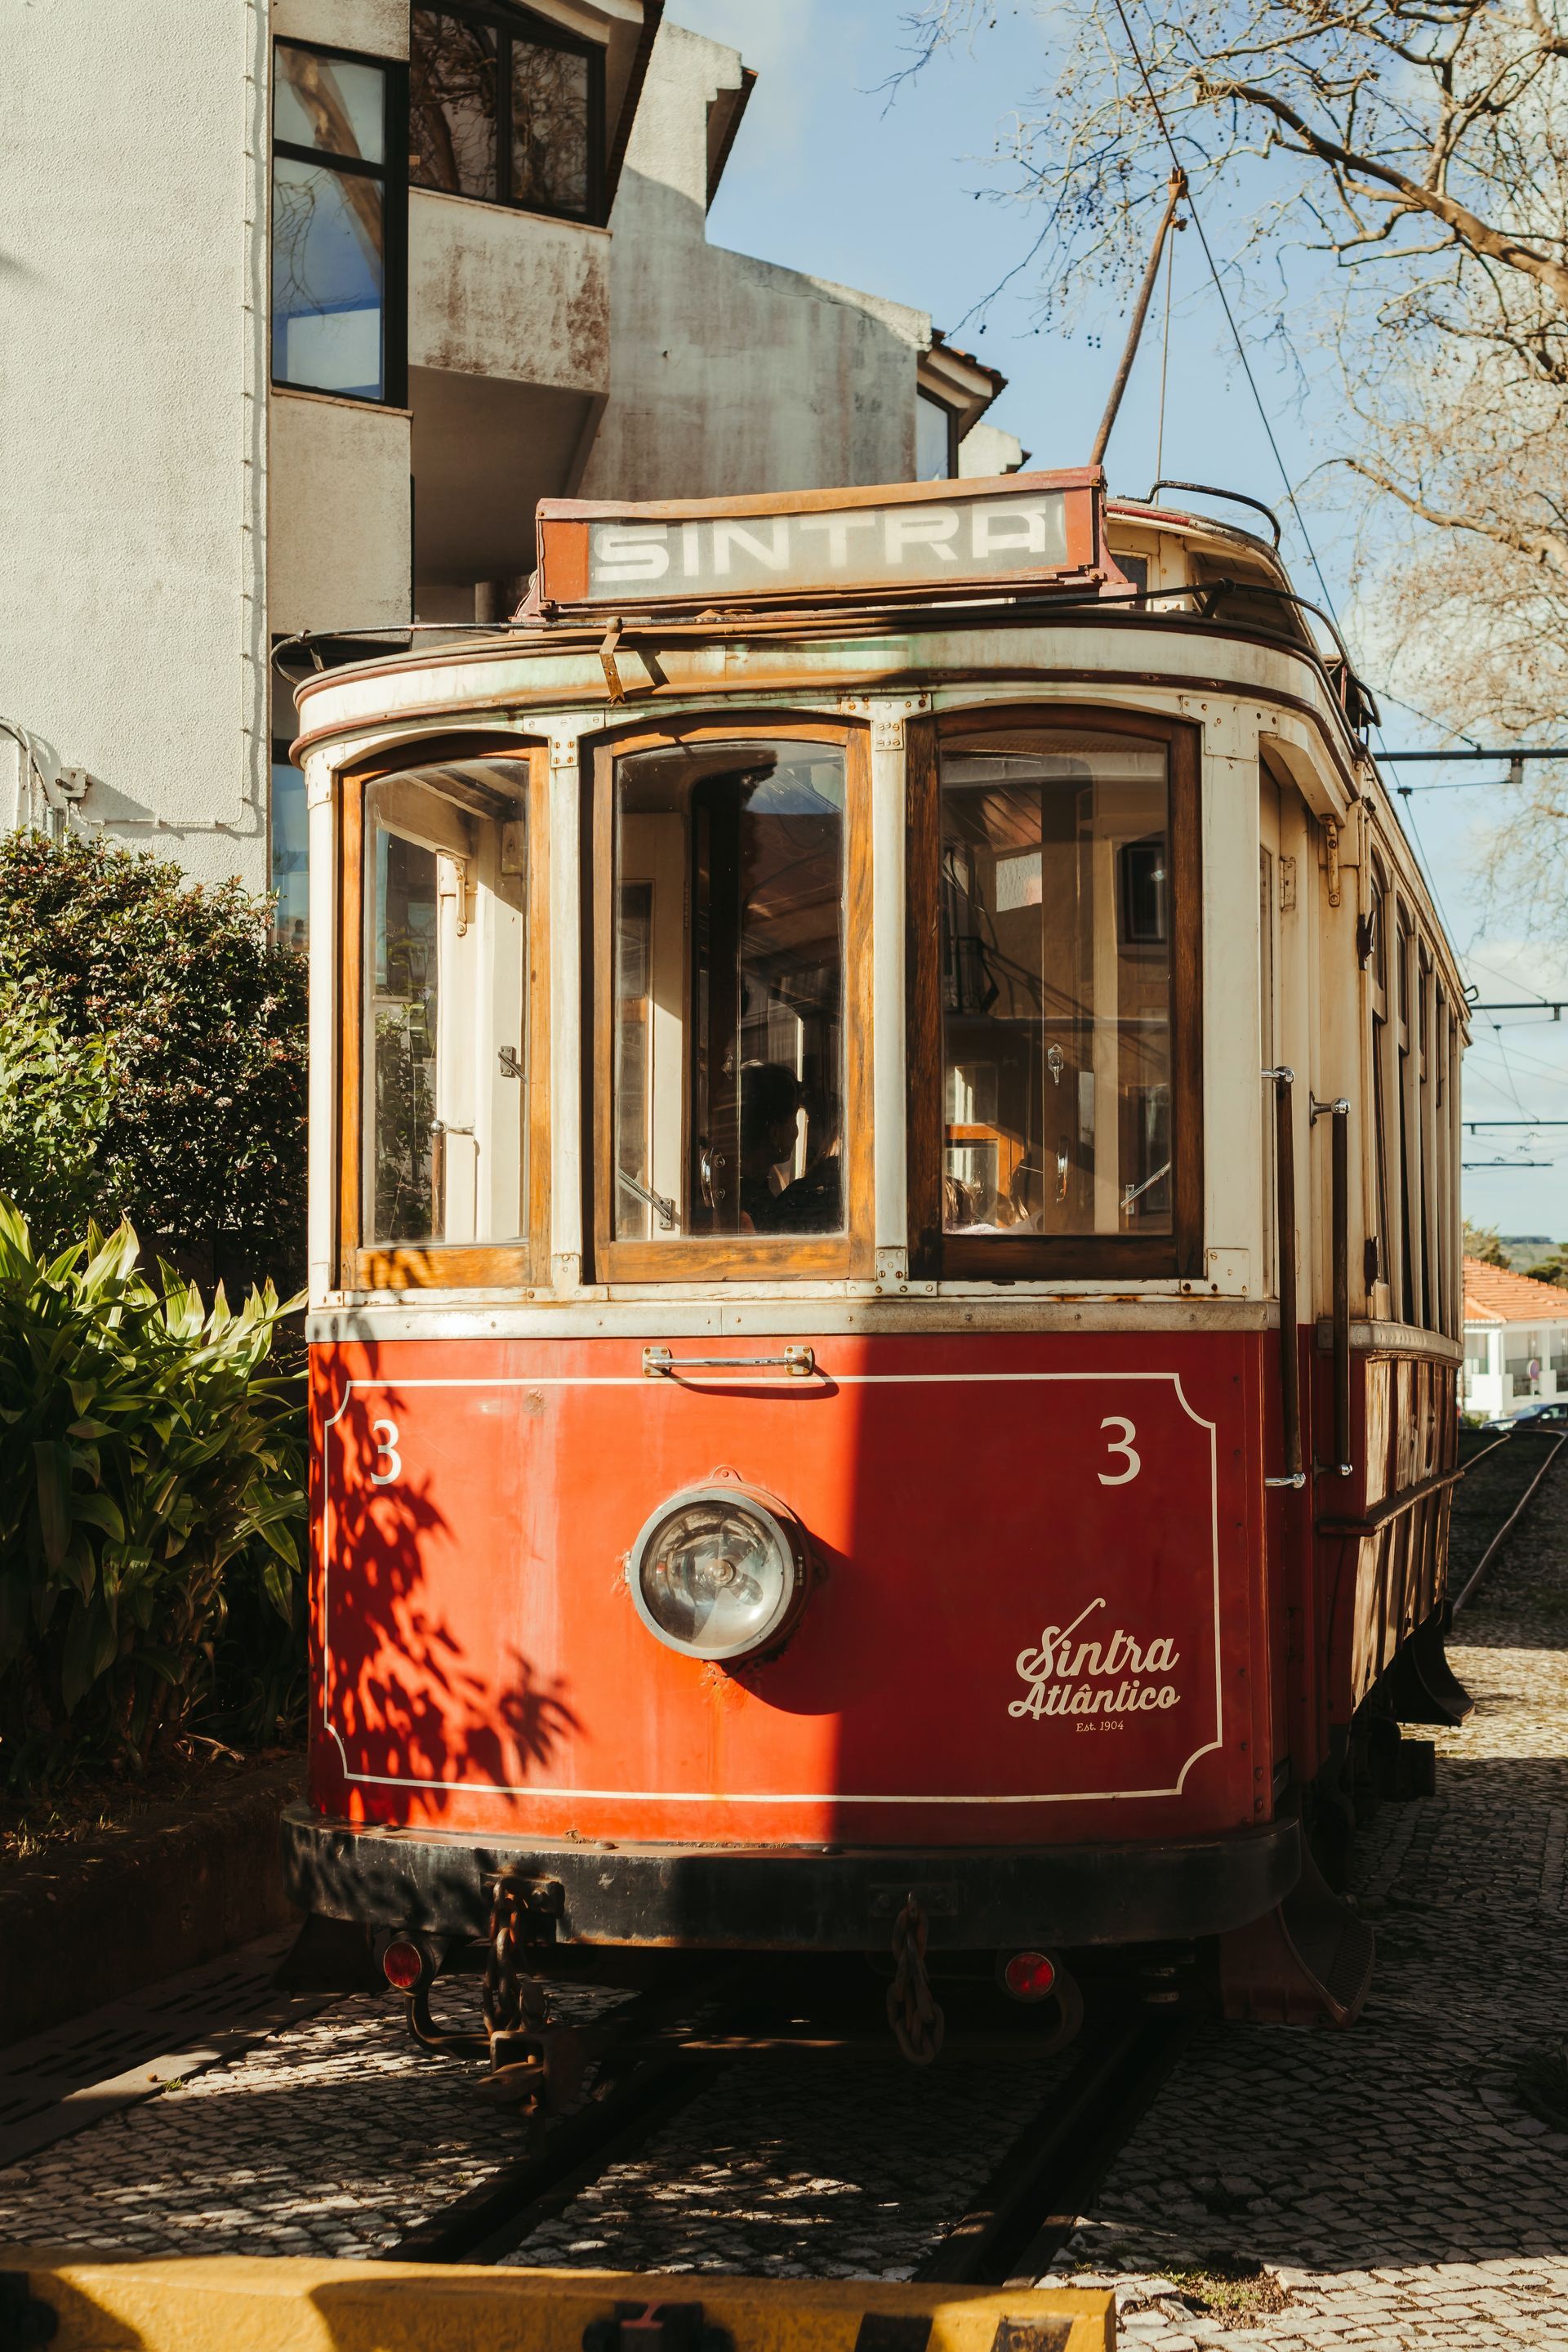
(728, 991)
(1055, 985)
(445, 1037)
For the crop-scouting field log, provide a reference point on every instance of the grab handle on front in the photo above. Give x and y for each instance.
(1338, 1111)
(658, 1363)
(1284, 1080)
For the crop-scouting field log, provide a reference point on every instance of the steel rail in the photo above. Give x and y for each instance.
(1052, 2172)
(1496, 1545)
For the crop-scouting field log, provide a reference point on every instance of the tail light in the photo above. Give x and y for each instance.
(402, 1964)
(1029, 1976)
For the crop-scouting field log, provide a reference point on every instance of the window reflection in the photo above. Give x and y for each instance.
(290, 857)
(452, 104)
(328, 224)
(550, 122)
(1056, 980)
(404, 985)
(935, 439)
(730, 1042)
(332, 103)
(505, 107)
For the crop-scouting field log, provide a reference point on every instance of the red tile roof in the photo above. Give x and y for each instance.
(1493, 1294)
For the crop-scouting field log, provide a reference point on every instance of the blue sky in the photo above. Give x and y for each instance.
(829, 176)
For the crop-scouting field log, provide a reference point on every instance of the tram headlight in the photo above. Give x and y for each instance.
(719, 1573)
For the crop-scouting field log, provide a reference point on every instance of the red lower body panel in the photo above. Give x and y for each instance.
(1038, 1612)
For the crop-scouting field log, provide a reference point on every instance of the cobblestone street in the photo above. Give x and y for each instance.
(1392, 2179)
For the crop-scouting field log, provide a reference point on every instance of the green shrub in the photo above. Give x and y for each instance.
(203, 1144)
(55, 1094)
(151, 1467)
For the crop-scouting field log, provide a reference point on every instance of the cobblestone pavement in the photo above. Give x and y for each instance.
(804, 2167)
(1392, 2180)
(331, 2137)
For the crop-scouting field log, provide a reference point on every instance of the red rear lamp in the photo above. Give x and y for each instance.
(402, 1964)
(1029, 1976)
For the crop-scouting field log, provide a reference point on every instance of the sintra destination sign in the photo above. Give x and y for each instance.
(821, 543)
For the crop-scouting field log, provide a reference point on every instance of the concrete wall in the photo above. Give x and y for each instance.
(341, 523)
(379, 28)
(132, 415)
(987, 449)
(499, 293)
(729, 374)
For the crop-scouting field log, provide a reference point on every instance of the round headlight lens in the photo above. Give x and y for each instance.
(718, 1572)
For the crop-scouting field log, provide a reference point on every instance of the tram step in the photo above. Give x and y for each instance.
(1421, 1686)
(1307, 1960)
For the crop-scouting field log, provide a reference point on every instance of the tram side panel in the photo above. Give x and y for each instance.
(1382, 1539)
(1038, 1609)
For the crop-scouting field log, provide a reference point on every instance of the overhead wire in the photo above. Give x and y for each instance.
(1224, 305)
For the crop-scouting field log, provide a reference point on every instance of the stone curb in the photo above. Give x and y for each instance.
(82, 1925)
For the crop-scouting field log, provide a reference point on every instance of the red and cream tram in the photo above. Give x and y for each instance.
(885, 1248)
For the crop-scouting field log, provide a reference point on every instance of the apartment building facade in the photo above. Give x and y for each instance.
(311, 301)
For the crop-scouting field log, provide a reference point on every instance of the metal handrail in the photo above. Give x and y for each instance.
(659, 1363)
(1284, 1080)
(664, 1208)
(1338, 1111)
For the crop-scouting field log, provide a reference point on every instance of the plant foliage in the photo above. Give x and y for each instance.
(204, 1140)
(150, 1469)
(55, 1097)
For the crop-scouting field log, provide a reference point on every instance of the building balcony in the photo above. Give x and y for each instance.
(508, 349)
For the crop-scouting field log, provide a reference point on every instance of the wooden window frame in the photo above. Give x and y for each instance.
(442, 1266)
(937, 1255)
(730, 1258)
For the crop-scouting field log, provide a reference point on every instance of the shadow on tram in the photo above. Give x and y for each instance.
(422, 1683)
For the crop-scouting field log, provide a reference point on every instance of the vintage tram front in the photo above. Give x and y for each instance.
(802, 1191)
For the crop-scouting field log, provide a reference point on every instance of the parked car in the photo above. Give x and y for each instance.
(1552, 1415)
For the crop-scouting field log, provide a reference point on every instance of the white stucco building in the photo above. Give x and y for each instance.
(1516, 1341)
(309, 362)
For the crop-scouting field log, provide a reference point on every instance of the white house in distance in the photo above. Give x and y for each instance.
(1512, 1324)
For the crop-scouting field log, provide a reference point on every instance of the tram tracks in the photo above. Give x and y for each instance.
(1520, 1500)
(1012, 2225)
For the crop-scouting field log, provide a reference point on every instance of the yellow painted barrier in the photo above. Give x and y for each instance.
(253, 2303)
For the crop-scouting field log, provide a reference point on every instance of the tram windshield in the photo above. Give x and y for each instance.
(729, 1039)
(444, 983)
(1056, 984)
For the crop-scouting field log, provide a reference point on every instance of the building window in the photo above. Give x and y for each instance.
(506, 107)
(936, 439)
(339, 285)
(290, 854)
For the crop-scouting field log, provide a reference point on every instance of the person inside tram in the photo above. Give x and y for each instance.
(770, 1113)
(813, 1203)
